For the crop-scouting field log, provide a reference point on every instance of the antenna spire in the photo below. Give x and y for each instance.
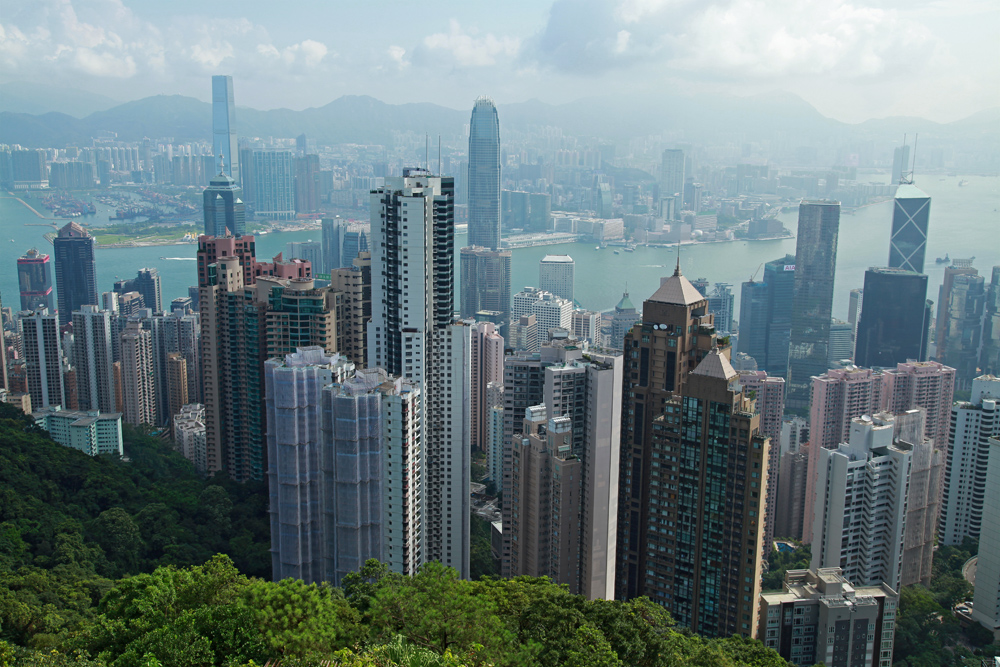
(677, 270)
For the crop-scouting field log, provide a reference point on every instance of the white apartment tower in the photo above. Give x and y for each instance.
(39, 334)
(986, 602)
(973, 423)
(555, 274)
(92, 356)
(138, 382)
(412, 334)
(861, 493)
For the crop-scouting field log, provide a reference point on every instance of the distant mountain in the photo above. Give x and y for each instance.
(365, 120)
(38, 98)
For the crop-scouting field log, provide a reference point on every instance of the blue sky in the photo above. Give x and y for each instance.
(852, 59)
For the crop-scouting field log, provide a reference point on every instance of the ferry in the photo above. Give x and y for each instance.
(943, 260)
(617, 253)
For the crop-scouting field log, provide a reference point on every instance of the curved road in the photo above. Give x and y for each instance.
(969, 570)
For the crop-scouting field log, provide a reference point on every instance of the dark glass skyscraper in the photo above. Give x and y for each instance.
(34, 278)
(484, 175)
(894, 318)
(76, 277)
(911, 211)
(224, 209)
(486, 283)
(812, 302)
(224, 128)
(766, 316)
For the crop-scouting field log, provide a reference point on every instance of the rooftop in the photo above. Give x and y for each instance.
(677, 290)
(910, 191)
(716, 365)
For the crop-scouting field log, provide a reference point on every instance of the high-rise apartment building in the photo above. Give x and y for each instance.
(307, 187)
(911, 210)
(223, 207)
(922, 384)
(549, 310)
(224, 146)
(990, 356)
(674, 335)
(822, 618)
(412, 334)
(189, 434)
(523, 334)
(274, 184)
(34, 279)
(706, 513)
(895, 319)
(76, 278)
(556, 275)
(485, 280)
(484, 175)
(138, 378)
(93, 359)
(973, 423)
(860, 511)
(766, 316)
(177, 383)
(812, 302)
(961, 311)
(487, 368)
(986, 598)
(42, 352)
(768, 394)
(355, 283)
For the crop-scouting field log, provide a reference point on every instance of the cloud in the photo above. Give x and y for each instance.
(730, 39)
(398, 55)
(467, 48)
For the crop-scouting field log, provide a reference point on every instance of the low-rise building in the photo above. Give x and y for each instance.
(91, 432)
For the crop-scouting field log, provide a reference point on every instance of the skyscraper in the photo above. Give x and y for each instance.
(34, 278)
(307, 183)
(555, 274)
(274, 184)
(342, 240)
(485, 279)
(484, 175)
(895, 318)
(76, 278)
(92, 356)
(412, 334)
(43, 367)
(990, 357)
(549, 310)
(911, 211)
(900, 163)
(812, 303)
(138, 379)
(311, 251)
(986, 600)
(973, 423)
(672, 174)
(766, 316)
(721, 303)
(224, 210)
(224, 131)
(961, 311)
(487, 368)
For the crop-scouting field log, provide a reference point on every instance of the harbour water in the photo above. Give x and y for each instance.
(964, 222)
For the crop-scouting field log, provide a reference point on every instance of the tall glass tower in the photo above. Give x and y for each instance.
(484, 175)
(911, 210)
(224, 127)
(812, 302)
(76, 278)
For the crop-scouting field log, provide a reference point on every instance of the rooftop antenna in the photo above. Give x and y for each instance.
(677, 271)
(222, 164)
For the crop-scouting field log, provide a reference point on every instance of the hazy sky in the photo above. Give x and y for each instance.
(853, 59)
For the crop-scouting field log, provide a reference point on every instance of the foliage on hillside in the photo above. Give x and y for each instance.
(70, 524)
(780, 562)
(213, 615)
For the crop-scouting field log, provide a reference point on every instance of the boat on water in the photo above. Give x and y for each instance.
(943, 260)
(617, 253)
(962, 183)
(597, 248)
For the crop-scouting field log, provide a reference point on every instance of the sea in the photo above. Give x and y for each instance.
(964, 223)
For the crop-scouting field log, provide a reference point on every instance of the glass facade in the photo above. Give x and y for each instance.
(484, 175)
(911, 211)
(34, 278)
(224, 128)
(812, 302)
(894, 318)
(76, 278)
(766, 316)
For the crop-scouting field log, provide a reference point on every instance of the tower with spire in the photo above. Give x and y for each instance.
(223, 205)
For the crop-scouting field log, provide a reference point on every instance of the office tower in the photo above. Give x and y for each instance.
(568, 475)
(307, 187)
(224, 146)
(587, 326)
(622, 322)
(34, 279)
(705, 568)
(485, 280)
(973, 423)
(354, 241)
(412, 334)
(330, 242)
(701, 284)
(895, 319)
(672, 173)
(769, 395)
(342, 241)
(860, 511)
(668, 334)
(812, 302)
(841, 342)
(177, 383)
(990, 356)
(87, 431)
(93, 359)
(550, 311)
(487, 368)
(138, 379)
(311, 251)
(43, 365)
(555, 274)
(484, 175)
(900, 164)
(986, 599)
(911, 211)
(189, 434)
(223, 207)
(721, 303)
(822, 618)
(961, 311)
(766, 316)
(147, 283)
(76, 279)
(274, 184)
(524, 334)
